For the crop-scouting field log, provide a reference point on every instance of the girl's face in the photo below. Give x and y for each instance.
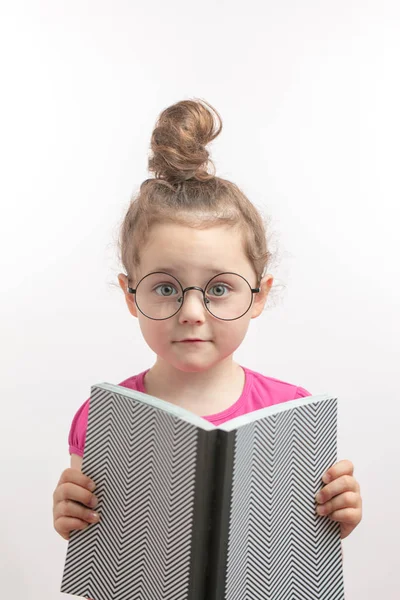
(193, 256)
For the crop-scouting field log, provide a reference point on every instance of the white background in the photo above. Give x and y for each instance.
(309, 96)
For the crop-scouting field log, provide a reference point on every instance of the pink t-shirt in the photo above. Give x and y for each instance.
(258, 392)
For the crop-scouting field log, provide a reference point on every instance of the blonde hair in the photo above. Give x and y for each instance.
(184, 191)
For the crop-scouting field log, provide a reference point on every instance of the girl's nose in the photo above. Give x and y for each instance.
(193, 308)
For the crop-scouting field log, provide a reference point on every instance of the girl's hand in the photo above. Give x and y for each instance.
(340, 499)
(73, 503)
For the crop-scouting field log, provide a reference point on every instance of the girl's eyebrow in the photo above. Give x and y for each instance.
(174, 271)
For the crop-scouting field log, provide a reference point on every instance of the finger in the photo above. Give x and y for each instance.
(345, 500)
(349, 516)
(74, 476)
(343, 467)
(64, 526)
(71, 491)
(345, 483)
(69, 508)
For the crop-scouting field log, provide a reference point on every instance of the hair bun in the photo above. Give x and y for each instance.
(179, 141)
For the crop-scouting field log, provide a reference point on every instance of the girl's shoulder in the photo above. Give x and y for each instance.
(135, 382)
(277, 388)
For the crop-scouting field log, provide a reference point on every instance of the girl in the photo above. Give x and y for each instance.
(195, 254)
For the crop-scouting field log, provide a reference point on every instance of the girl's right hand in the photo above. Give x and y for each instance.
(73, 502)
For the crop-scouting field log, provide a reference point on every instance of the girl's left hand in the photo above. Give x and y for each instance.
(340, 499)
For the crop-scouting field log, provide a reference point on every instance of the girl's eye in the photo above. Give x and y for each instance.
(167, 289)
(219, 289)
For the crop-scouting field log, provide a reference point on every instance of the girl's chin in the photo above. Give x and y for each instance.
(192, 363)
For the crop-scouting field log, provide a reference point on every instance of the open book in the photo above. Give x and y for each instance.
(190, 511)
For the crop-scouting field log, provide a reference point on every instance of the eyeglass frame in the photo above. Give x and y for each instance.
(194, 287)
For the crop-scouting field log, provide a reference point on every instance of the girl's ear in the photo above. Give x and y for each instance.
(129, 298)
(261, 298)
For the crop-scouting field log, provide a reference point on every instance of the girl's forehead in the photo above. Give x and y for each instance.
(175, 238)
(182, 250)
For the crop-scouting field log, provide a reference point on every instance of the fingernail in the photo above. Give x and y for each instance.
(318, 497)
(95, 516)
(326, 478)
(93, 502)
(92, 486)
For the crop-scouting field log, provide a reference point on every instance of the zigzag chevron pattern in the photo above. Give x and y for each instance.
(278, 547)
(146, 503)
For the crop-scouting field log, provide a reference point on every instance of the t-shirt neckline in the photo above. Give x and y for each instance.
(222, 415)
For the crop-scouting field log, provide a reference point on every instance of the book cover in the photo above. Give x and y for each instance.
(191, 511)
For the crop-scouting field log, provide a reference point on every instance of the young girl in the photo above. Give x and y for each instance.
(195, 254)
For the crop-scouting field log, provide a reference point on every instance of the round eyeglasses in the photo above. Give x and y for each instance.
(227, 296)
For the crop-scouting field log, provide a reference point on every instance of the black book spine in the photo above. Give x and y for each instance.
(202, 521)
(219, 516)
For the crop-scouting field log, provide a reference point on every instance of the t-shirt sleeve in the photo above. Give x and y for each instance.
(302, 393)
(77, 433)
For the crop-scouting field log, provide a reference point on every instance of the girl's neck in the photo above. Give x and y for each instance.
(204, 393)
